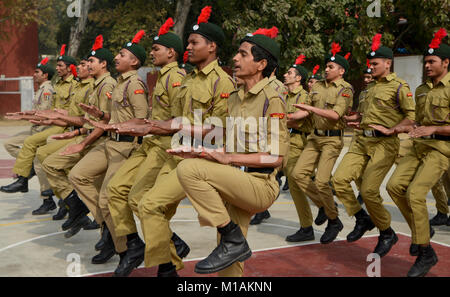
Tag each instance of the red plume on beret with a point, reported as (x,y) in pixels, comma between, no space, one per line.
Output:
(204,15)
(44,61)
(63,50)
(166,27)
(316,68)
(300,60)
(138,36)
(185,56)
(347,56)
(74,70)
(335,48)
(271,33)
(368,63)
(376,42)
(98,44)
(438,36)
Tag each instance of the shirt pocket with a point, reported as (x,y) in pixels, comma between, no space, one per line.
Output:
(330,102)
(159,97)
(384,101)
(440,108)
(201,100)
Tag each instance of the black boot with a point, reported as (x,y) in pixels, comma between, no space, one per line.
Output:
(321,217)
(363,224)
(47,205)
(448,221)
(233,247)
(133,257)
(331,231)
(106,253)
(286,185)
(47,193)
(427,258)
(360,199)
(386,240)
(304,234)
(32,172)
(259,217)
(20,185)
(62,211)
(104,237)
(414,248)
(439,219)
(80,223)
(181,246)
(92,226)
(77,210)
(167,270)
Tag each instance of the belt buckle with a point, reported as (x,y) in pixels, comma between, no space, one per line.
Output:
(321,132)
(428,137)
(368,133)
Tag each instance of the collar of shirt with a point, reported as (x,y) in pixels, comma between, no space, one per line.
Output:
(444,81)
(297,90)
(126,75)
(167,67)
(337,82)
(44,84)
(255,89)
(208,68)
(101,78)
(87,81)
(387,78)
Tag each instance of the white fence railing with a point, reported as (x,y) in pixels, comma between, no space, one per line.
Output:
(26,90)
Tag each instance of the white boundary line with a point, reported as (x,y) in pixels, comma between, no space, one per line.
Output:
(28,240)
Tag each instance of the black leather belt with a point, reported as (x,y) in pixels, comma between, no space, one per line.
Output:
(295,131)
(89,131)
(259,170)
(437,137)
(328,132)
(125,138)
(374,133)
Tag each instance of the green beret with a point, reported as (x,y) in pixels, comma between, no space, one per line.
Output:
(265,42)
(210,31)
(170,40)
(367,70)
(338,59)
(137,50)
(67,59)
(187,66)
(102,54)
(45,68)
(381,52)
(316,76)
(443,51)
(302,70)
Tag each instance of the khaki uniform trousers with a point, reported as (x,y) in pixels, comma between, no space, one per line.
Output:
(369,160)
(440,189)
(415,175)
(298,196)
(13,146)
(102,161)
(27,154)
(220,193)
(324,152)
(133,179)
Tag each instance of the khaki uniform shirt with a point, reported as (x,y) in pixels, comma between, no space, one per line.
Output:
(278,86)
(299,96)
(80,94)
(101,96)
(433,109)
(387,103)
(63,90)
(43,97)
(337,96)
(129,99)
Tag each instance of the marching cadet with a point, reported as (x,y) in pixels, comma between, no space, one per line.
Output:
(330,101)
(224,196)
(42,101)
(388,105)
(61,100)
(138,174)
(80,141)
(427,160)
(203,95)
(299,130)
(314,77)
(128,101)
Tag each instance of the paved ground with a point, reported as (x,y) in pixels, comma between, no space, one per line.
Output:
(35,245)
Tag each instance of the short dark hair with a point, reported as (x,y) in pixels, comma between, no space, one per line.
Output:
(298,73)
(260,54)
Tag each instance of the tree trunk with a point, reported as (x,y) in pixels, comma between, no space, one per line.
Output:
(77,30)
(181,14)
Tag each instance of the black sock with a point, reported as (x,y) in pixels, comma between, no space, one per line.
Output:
(132,236)
(165,267)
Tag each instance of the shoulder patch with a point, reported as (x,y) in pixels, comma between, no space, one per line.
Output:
(409,94)
(224,95)
(176,84)
(109,95)
(345,95)
(139,91)
(47,94)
